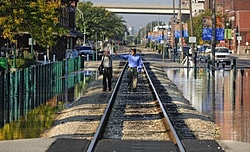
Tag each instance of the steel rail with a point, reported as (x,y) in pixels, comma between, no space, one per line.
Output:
(106,114)
(176,137)
(104,119)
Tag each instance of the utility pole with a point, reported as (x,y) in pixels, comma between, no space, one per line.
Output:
(192,34)
(213,52)
(213,36)
(173,29)
(180,22)
(96,46)
(191,26)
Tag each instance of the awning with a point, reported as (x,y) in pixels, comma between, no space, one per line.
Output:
(75,33)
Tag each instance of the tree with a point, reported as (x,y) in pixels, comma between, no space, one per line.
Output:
(99,22)
(197,23)
(39,18)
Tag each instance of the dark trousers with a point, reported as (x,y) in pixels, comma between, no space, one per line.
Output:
(132,78)
(107,76)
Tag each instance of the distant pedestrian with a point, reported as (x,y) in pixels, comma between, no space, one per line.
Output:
(134,66)
(107,70)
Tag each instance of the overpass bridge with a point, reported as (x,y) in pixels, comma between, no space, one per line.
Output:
(144,9)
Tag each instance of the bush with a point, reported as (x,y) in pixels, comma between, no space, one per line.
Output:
(24,62)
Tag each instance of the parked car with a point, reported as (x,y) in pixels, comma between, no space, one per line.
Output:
(203,48)
(84,50)
(222,55)
(208,49)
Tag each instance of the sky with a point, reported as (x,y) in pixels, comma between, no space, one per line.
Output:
(138,20)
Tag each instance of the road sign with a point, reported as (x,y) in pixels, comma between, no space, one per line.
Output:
(239,38)
(30,42)
(192,39)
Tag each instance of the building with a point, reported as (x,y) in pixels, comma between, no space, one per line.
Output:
(68,21)
(236,14)
(198,6)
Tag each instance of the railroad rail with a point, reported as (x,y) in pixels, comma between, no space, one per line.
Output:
(139,115)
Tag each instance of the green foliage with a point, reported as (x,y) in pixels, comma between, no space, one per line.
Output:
(98,22)
(197,24)
(21,63)
(40,18)
(32,125)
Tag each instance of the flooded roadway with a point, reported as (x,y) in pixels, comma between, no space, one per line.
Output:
(230,106)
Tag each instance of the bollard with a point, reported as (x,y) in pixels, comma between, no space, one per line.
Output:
(233,81)
(242,85)
(54,58)
(82,61)
(87,57)
(45,58)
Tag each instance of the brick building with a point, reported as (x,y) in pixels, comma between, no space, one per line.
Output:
(236,13)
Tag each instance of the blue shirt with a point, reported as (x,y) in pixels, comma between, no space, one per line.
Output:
(133,61)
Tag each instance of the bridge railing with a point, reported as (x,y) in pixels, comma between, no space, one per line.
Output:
(24,90)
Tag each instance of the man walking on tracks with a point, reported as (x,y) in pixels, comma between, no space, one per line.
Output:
(134,66)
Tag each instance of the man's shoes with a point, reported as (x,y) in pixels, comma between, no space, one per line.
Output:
(104,90)
(110,89)
(134,89)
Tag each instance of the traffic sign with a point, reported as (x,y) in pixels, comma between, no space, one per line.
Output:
(192,39)
(239,38)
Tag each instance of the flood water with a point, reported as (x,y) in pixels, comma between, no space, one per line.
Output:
(226,101)
(40,119)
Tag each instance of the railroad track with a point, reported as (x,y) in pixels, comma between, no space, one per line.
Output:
(140,115)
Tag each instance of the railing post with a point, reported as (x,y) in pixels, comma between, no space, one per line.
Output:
(2,88)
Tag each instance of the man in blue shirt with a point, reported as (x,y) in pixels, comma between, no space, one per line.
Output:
(134,66)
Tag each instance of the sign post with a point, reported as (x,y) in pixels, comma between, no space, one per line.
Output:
(239,38)
(32,43)
(163,51)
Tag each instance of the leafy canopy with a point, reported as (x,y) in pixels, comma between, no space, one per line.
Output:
(39,18)
(98,22)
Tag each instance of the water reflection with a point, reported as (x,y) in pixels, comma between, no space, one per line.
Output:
(230,106)
(40,119)
(32,125)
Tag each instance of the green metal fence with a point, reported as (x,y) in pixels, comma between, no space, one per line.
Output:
(26,89)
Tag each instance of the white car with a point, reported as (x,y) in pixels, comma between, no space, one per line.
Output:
(84,50)
(208,49)
(222,54)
